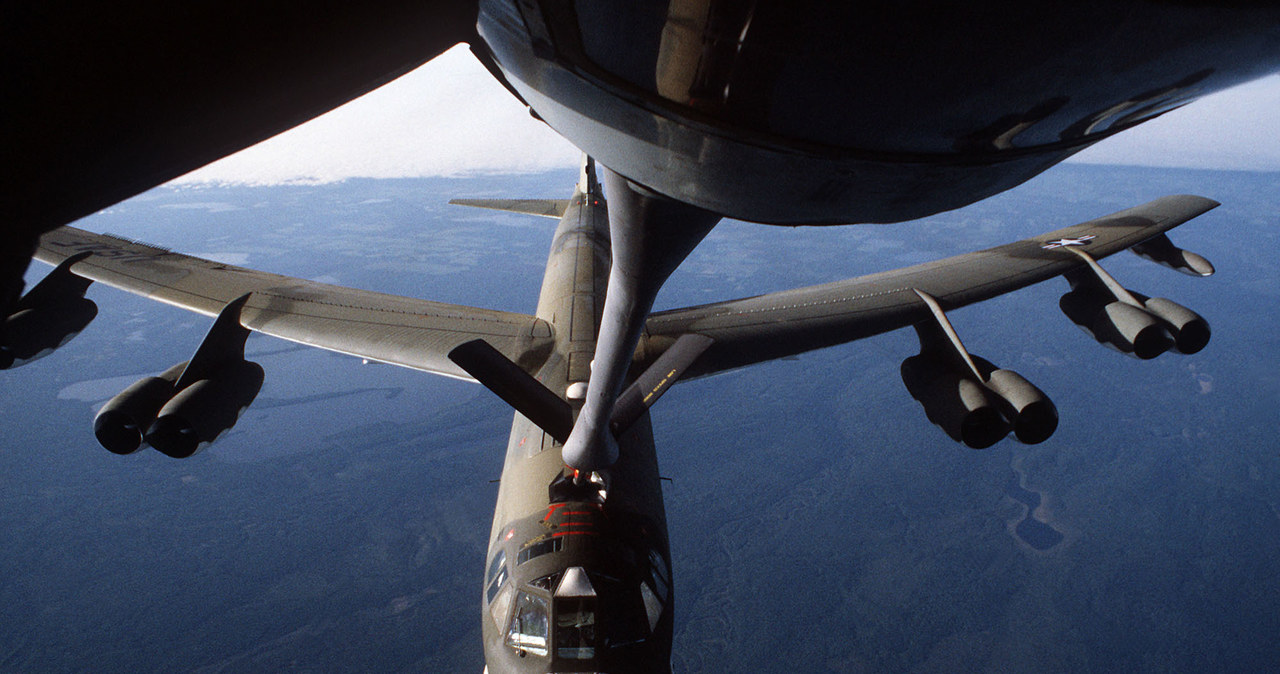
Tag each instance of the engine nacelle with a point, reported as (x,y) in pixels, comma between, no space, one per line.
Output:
(121,423)
(1033,416)
(1122,326)
(32,333)
(1189,330)
(205,410)
(960,405)
(47,317)
(979,412)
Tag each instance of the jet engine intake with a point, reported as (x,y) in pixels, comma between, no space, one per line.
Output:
(202,412)
(972,400)
(121,423)
(1033,416)
(1127,328)
(968,411)
(979,412)
(1190,331)
(192,403)
(1145,331)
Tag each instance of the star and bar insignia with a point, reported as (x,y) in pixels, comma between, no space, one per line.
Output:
(1069,241)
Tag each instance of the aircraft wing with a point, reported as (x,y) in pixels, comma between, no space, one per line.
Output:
(402,331)
(775,325)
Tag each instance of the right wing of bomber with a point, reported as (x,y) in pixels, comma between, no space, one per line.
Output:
(194,402)
(957,389)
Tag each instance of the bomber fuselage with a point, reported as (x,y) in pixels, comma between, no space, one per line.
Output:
(578,574)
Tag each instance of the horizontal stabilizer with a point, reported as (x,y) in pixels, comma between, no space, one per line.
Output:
(516,387)
(547,208)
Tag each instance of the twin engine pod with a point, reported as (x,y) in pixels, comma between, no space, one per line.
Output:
(177,421)
(1129,322)
(32,333)
(47,317)
(972,400)
(978,410)
(191,404)
(1144,328)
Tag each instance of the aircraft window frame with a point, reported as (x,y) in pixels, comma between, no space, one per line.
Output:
(576,633)
(500,607)
(547,582)
(496,576)
(496,584)
(543,547)
(653,606)
(499,559)
(658,574)
(529,629)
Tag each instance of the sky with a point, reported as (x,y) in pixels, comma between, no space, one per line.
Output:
(450,117)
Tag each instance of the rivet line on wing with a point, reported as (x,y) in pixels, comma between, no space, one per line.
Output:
(798,305)
(386,310)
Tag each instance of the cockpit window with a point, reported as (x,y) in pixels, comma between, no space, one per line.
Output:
(539,549)
(498,561)
(496,584)
(658,572)
(528,629)
(576,628)
(547,582)
(497,574)
(654,591)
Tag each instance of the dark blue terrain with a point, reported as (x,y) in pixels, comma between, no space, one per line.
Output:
(818,522)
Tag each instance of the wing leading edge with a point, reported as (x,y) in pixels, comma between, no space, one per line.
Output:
(403,331)
(756,329)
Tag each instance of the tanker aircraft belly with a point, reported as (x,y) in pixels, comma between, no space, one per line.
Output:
(578,569)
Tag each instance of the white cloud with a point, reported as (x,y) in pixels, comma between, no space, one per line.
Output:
(448,117)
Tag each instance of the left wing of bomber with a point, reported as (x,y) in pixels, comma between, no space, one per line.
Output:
(969,397)
(191,404)
(403,331)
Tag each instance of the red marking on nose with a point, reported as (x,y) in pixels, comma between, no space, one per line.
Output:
(575,533)
(551,509)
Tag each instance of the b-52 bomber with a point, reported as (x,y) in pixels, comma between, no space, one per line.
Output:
(578,569)
(794,112)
